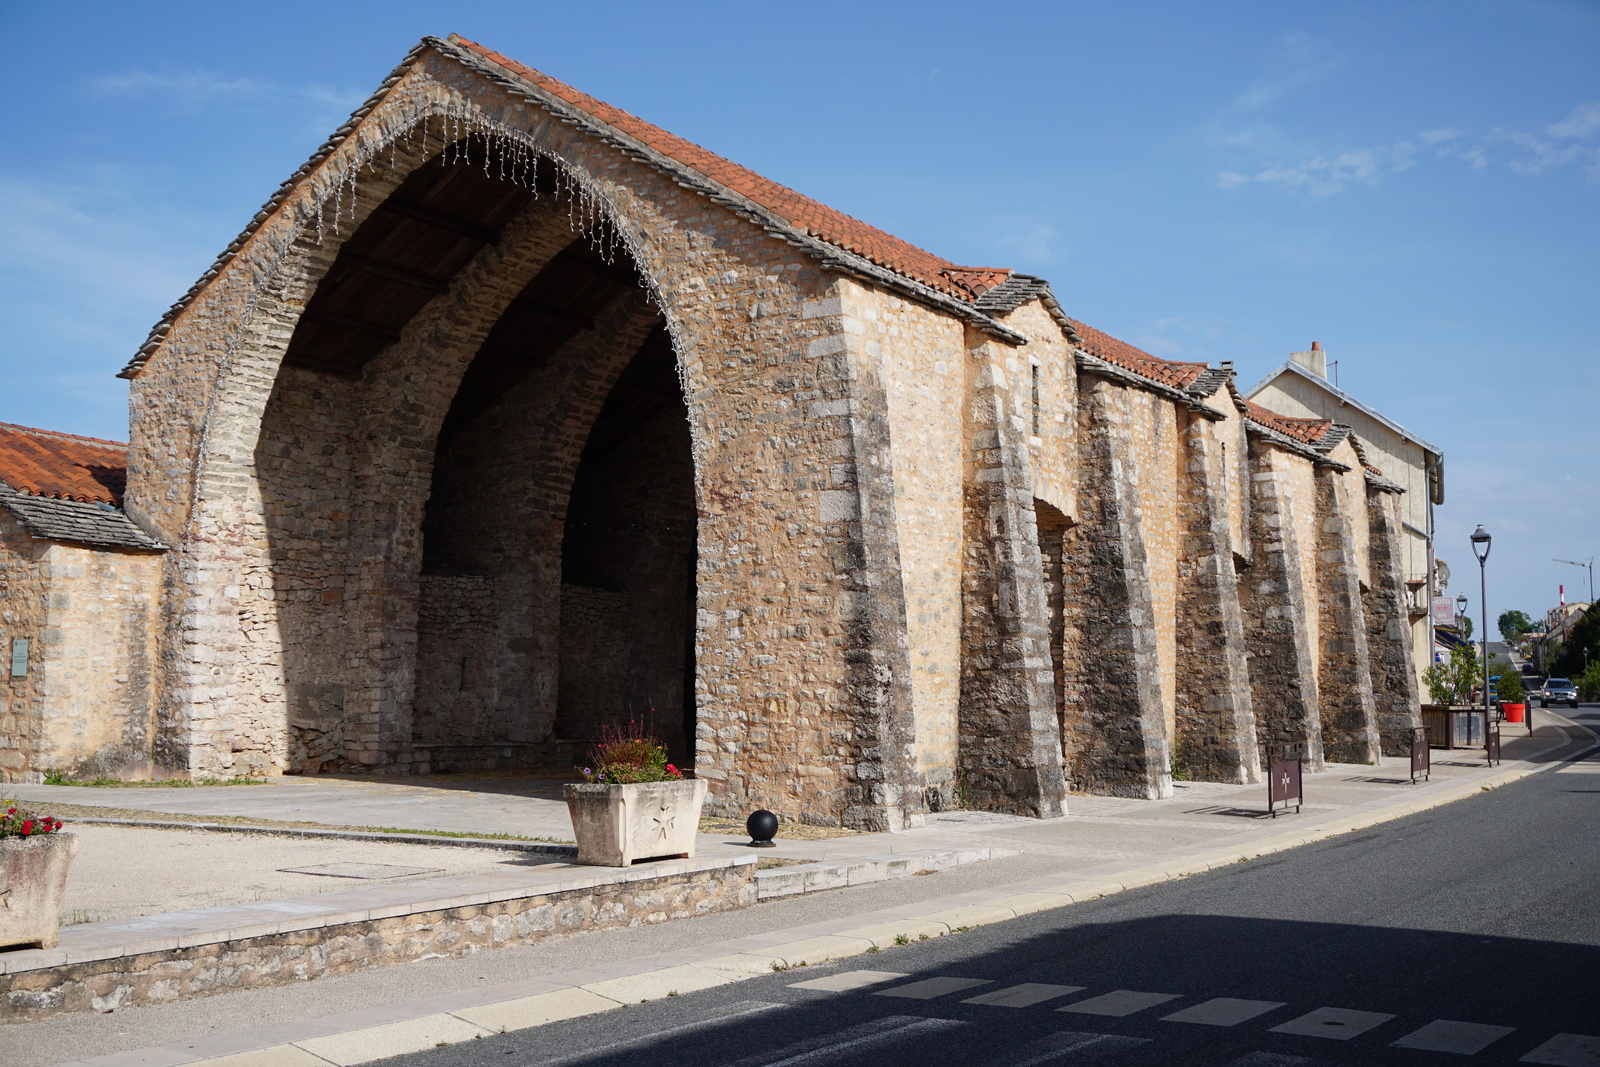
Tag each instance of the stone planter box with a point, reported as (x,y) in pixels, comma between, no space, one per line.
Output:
(621,824)
(33,881)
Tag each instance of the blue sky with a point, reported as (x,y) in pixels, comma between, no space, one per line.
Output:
(1414,185)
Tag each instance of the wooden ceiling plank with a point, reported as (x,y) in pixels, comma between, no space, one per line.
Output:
(439,221)
(386,333)
(399,274)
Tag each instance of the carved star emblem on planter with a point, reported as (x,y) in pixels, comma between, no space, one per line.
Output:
(663,821)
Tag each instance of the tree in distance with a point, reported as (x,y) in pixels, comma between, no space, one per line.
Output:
(1513,624)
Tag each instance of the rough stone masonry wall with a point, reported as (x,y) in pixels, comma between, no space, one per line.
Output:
(1215,738)
(1159,459)
(921,357)
(305,955)
(1010,745)
(85,707)
(1278,639)
(497,509)
(1053,449)
(800,618)
(1113,728)
(1396,695)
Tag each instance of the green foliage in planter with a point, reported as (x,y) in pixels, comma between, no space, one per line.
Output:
(1509,687)
(1452,681)
(625,755)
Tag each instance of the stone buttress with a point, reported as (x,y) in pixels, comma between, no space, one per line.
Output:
(1113,726)
(1344,671)
(1215,720)
(1283,681)
(1010,747)
(1395,691)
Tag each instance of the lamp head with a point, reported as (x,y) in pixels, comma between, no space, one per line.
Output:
(1480,543)
(1461,603)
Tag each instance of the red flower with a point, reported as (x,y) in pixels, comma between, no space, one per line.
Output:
(27,828)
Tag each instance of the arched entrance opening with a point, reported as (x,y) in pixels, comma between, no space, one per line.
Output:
(483,530)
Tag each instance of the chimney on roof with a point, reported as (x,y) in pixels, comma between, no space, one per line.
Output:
(1315,361)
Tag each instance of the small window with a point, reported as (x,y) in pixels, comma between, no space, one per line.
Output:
(1035,369)
(19,657)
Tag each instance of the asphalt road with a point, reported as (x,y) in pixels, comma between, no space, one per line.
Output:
(1468,930)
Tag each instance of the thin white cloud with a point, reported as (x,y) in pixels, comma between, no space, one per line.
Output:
(1321,174)
(1299,62)
(197,90)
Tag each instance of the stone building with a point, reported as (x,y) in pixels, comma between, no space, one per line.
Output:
(512,414)
(1301,387)
(79,591)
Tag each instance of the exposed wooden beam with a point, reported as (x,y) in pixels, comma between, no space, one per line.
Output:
(439,221)
(398,274)
(342,370)
(332,319)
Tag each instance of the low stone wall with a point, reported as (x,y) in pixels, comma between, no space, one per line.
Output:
(183,972)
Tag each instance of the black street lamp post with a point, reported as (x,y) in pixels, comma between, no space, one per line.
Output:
(1480,548)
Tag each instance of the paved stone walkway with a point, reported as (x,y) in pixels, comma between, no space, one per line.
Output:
(1096,832)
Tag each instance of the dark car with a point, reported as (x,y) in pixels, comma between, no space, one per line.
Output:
(1558,691)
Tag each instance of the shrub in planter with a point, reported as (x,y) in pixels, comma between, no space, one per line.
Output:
(633,804)
(34,858)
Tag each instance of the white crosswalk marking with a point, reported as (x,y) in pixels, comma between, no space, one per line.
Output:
(1223,1011)
(1444,1035)
(1567,1050)
(929,988)
(1070,1045)
(1025,995)
(830,1048)
(1340,1024)
(1120,1002)
(845,981)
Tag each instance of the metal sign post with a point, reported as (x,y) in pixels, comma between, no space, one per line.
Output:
(1283,779)
(1421,754)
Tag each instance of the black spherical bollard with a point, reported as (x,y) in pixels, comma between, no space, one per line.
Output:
(762,826)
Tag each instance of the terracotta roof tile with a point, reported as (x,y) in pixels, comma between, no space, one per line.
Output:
(1124,355)
(1306,431)
(801,212)
(61,465)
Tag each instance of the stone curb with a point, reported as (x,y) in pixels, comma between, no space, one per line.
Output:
(552,847)
(780,882)
(418,1034)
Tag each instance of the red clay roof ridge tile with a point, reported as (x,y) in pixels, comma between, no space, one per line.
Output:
(1165,371)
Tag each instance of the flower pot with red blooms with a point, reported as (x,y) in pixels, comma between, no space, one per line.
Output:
(34,858)
(633,805)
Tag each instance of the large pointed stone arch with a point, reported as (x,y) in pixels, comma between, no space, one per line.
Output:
(800,679)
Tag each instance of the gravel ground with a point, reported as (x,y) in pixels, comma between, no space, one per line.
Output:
(122,872)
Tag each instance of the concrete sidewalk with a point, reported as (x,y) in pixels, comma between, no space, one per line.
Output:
(1106,846)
